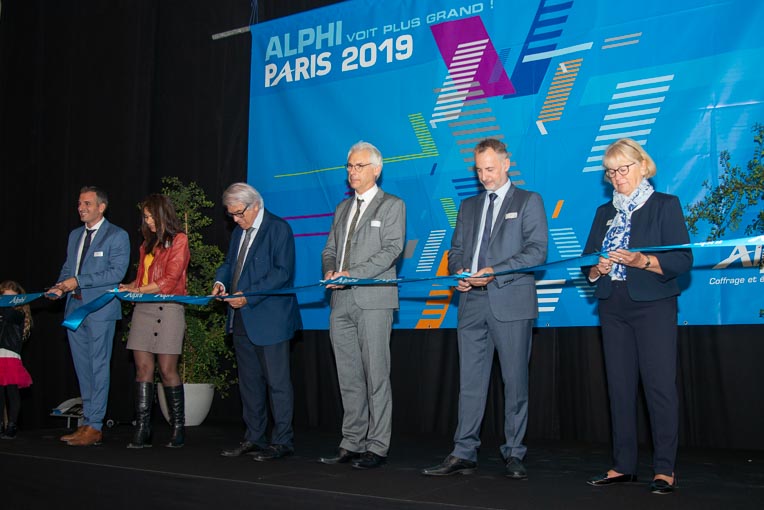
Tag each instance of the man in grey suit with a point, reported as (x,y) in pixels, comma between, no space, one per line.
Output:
(365,241)
(501,229)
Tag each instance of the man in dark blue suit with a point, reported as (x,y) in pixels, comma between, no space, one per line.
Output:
(96,261)
(260,258)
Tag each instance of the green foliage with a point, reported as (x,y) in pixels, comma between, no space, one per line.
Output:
(205,344)
(738,191)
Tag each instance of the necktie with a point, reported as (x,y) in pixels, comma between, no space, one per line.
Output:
(351,231)
(482,254)
(240,259)
(85,246)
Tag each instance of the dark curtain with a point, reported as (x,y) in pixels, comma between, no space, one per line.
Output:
(719,380)
(121,93)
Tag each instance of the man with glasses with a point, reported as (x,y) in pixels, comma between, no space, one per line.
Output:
(96,261)
(260,258)
(365,241)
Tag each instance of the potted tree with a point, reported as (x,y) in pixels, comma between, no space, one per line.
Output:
(204,347)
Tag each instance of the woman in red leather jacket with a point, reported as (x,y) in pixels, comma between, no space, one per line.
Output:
(158,328)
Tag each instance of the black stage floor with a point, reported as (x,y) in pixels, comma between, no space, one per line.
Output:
(39,471)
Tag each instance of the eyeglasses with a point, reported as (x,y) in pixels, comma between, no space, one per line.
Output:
(357,167)
(623,170)
(239,214)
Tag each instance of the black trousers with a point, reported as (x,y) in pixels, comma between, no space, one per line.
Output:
(639,340)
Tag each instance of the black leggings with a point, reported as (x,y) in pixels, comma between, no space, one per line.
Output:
(14,402)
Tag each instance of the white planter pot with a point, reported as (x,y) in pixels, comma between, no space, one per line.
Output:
(198,399)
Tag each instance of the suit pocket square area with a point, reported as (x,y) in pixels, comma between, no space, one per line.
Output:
(510,216)
(376,223)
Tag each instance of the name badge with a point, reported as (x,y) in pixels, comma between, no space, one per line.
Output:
(98,254)
(376,223)
(510,216)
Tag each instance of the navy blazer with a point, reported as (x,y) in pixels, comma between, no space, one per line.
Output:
(269,265)
(659,222)
(103,267)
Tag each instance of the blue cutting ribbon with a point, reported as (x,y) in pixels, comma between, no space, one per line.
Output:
(7,300)
(137,297)
(581,260)
(74,319)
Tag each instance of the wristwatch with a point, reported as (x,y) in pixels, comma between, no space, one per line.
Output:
(647,264)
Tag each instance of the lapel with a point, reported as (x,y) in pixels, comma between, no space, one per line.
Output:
(100,236)
(74,243)
(500,221)
(370,212)
(342,220)
(95,243)
(259,239)
(477,216)
(233,250)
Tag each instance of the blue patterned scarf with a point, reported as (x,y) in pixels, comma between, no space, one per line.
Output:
(619,233)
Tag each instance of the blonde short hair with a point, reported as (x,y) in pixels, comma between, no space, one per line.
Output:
(630,150)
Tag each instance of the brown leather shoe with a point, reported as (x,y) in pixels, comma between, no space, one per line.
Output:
(88,437)
(69,437)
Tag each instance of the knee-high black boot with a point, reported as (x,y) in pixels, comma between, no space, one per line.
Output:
(177,406)
(144,397)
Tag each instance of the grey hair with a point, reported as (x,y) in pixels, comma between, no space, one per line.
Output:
(242,193)
(498,147)
(101,196)
(375,156)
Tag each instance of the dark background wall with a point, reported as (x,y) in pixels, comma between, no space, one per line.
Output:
(122,93)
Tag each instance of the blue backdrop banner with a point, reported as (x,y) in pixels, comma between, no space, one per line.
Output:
(557,81)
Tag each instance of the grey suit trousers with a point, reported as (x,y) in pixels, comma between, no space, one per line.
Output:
(479,334)
(361,343)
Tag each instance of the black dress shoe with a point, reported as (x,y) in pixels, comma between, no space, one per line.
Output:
(450,466)
(245,448)
(273,452)
(343,456)
(661,486)
(515,469)
(369,460)
(603,479)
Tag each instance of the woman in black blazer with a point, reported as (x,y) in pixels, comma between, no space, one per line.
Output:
(637,294)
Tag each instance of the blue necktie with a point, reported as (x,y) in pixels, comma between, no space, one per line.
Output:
(483,253)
